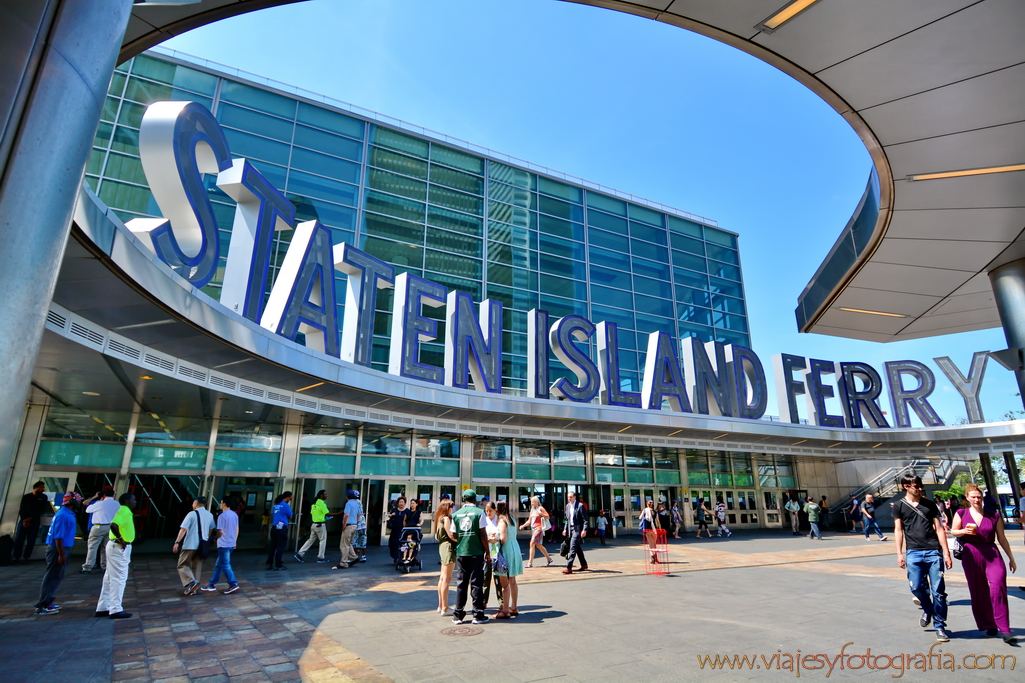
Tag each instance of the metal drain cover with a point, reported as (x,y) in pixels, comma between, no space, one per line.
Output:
(462,631)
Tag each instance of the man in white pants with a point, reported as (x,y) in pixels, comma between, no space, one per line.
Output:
(103,511)
(119,555)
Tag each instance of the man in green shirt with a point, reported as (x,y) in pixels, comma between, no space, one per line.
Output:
(812,509)
(318,530)
(119,556)
(471,554)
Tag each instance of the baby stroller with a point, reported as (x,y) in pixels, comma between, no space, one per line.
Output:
(409,546)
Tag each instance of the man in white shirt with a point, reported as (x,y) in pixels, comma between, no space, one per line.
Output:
(103,511)
(794,508)
(198,525)
(350,518)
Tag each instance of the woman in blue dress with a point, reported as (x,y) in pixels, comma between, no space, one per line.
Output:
(508,563)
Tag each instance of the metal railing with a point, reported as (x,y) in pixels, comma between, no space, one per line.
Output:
(887,483)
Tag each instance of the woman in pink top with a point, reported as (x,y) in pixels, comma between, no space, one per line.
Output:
(536,522)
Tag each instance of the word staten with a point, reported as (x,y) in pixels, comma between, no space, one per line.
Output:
(920,661)
(180,142)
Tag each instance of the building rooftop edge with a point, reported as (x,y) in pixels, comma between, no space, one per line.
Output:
(374,117)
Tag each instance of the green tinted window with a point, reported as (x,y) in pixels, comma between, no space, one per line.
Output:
(561,266)
(612,297)
(255,98)
(606,222)
(394,206)
(457,159)
(688,244)
(511,234)
(605,203)
(610,259)
(396,184)
(117,84)
(610,278)
(686,277)
(452,264)
(330,120)
(608,240)
(399,163)
(148,92)
(648,233)
(650,269)
(451,241)
(561,209)
(644,215)
(456,200)
(727,305)
(725,287)
(331,215)
(473,288)
(647,304)
(96,157)
(327,143)
(512,298)
(396,253)
(511,256)
(321,188)
(512,277)
(255,147)
(393,228)
(560,190)
(723,254)
(125,140)
(683,227)
(621,318)
(696,297)
(255,122)
(561,228)
(128,198)
(649,251)
(131,114)
(693,314)
(647,285)
(103,135)
(561,247)
(689,261)
(457,179)
(398,141)
(561,286)
(511,195)
(110,106)
(172,74)
(325,165)
(460,222)
(506,213)
(512,176)
(723,270)
(721,238)
(125,168)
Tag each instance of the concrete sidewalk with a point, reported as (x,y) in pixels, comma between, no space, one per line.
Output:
(758,593)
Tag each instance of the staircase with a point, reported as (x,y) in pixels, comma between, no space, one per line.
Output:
(886,484)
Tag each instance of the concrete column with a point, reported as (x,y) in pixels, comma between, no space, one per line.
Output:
(28,446)
(56,60)
(987,474)
(1008,282)
(1013,477)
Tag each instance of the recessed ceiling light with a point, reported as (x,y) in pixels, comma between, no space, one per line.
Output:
(861,310)
(785,14)
(625,428)
(309,387)
(145,377)
(90,393)
(249,412)
(967,172)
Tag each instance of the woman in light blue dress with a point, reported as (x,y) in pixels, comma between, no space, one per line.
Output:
(511,563)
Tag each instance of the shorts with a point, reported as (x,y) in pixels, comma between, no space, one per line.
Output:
(701,522)
(447,551)
(601,533)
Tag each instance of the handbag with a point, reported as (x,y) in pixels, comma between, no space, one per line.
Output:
(204,543)
(564,548)
(546,524)
(501,564)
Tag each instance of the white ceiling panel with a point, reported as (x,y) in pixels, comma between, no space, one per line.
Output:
(879,324)
(910,279)
(853,333)
(960,304)
(979,283)
(983,225)
(983,318)
(989,100)
(983,148)
(886,301)
(831,31)
(1004,190)
(966,256)
(736,17)
(958,328)
(981,38)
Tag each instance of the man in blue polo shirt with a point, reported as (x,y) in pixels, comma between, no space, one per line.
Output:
(59,541)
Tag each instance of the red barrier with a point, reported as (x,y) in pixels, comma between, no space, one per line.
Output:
(656,552)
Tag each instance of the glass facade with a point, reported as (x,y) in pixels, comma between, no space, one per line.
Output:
(463,220)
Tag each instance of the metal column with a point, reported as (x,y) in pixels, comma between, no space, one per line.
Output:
(58,57)
(1014,478)
(1008,282)
(987,474)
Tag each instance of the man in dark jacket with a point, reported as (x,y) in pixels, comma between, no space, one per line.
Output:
(34,505)
(576,530)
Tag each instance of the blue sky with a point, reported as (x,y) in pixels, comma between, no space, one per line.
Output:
(627,102)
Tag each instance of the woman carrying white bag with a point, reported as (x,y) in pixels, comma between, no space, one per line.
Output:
(539,522)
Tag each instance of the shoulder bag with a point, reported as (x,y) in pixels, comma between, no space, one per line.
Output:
(957,548)
(204,543)
(546,523)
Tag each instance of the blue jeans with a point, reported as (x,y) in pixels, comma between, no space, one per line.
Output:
(870,524)
(814,530)
(925,577)
(223,565)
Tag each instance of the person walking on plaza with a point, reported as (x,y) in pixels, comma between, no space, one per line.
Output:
(823,514)
(471,554)
(196,530)
(648,523)
(318,529)
(576,530)
(443,533)
(855,514)
(812,509)
(59,541)
(794,508)
(119,557)
(103,511)
(677,519)
(701,516)
(868,511)
(539,522)
(720,518)
(508,563)
(980,532)
(34,505)
(359,539)
(227,538)
(281,512)
(916,524)
(350,518)
(601,526)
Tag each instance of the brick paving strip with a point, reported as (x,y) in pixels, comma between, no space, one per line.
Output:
(253,636)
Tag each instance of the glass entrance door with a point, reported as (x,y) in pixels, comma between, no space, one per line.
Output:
(395,490)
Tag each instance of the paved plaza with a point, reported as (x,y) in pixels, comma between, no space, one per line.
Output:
(779,600)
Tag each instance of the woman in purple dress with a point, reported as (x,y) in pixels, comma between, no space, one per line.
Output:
(979,531)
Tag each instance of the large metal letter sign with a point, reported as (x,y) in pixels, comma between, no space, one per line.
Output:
(261,212)
(901,398)
(469,350)
(563,332)
(819,391)
(860,404)
(303,297)
(707,380)
(366,275)
(612,393)
(537,353)
(970,386)
(788,388)
(409,327)
(662,376)
(178,143)
(750,388)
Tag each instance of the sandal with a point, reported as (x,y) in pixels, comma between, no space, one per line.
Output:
(550,560)
(514,612)
(502,614)
(529,565)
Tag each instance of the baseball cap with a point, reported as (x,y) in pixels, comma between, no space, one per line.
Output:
(469,494)
(445,496)
(68,497)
